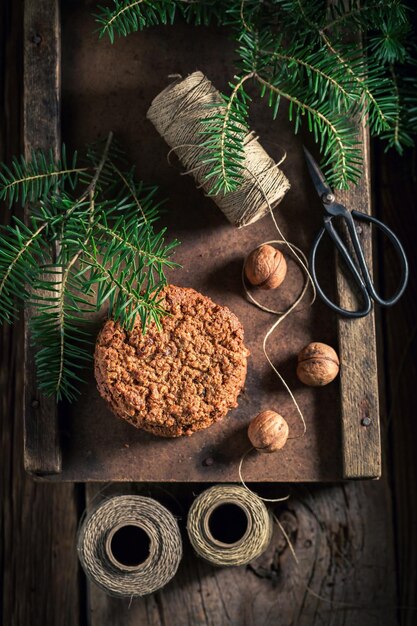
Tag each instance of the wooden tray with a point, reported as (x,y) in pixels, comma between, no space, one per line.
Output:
(105,87)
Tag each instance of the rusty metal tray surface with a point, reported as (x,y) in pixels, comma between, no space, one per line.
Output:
(94,87)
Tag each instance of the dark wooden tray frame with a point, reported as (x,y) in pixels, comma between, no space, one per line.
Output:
(357,343)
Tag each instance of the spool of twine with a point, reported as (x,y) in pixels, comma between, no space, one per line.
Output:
(229,525)
(130,546)
(177,114)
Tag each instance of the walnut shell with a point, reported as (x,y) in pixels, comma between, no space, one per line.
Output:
(318,364)
(265,267)
(268,431)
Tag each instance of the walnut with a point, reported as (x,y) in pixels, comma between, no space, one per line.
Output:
(318,364)
(265,267)
(268,431)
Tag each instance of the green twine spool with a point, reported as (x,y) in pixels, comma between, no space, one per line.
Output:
(228,525)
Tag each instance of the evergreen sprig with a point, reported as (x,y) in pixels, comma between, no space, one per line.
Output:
(226,130)
(295,51)
(128,16)
(25,181)
(91,242)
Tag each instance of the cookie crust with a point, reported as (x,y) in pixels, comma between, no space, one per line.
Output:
(180,379)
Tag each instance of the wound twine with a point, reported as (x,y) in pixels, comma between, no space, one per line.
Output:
(130,546)
(177,114)
(229,525)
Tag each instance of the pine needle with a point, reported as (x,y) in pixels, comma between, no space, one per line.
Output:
(90,242)
(294,48)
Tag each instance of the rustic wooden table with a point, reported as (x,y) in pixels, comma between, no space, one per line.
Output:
(354,541)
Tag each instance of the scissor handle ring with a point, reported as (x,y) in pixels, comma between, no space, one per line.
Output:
(364,217)
(345,312)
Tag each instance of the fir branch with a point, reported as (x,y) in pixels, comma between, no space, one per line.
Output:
(388,44)
(60,357)
(127,180)
(319,79)
(409,94)
(55,377)
(120,10)
(364,15)
(21,253)
(379,118)
(61,304)
(227,130)
(396,126)
(398,136)
(137,246)
(354,12)
(91,188)
(342,154)
(326,82)
(298,64)
(31,180)
(81,249)
(98,170)
(202,12)
(304,18)
(377,100)
(303,11)
(155,259)
(243,19)
(129,16)
(246,15)
(127,300)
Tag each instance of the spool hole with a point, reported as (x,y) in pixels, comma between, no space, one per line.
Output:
(130,546)
(228,523)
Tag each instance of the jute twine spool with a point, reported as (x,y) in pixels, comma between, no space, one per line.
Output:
(130,546)
(229,525)
(177,114)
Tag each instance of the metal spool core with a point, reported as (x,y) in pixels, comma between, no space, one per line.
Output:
(227,524)
(128,546)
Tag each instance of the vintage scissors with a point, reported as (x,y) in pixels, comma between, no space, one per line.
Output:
(358,268)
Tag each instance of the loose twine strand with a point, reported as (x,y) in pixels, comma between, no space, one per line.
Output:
(253,544)
(165,551)
(309,590)
(283,314)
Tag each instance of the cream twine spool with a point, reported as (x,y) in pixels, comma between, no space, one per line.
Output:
(228,541)
(176,114)
(130,546)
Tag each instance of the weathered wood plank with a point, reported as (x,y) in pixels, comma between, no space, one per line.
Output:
(358,354)
(38,566)
(337,533)
(41,129)
(396,200)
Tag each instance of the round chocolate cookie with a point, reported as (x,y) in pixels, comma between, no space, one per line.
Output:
(179,379)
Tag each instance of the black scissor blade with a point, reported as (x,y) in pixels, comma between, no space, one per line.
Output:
(316,174)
